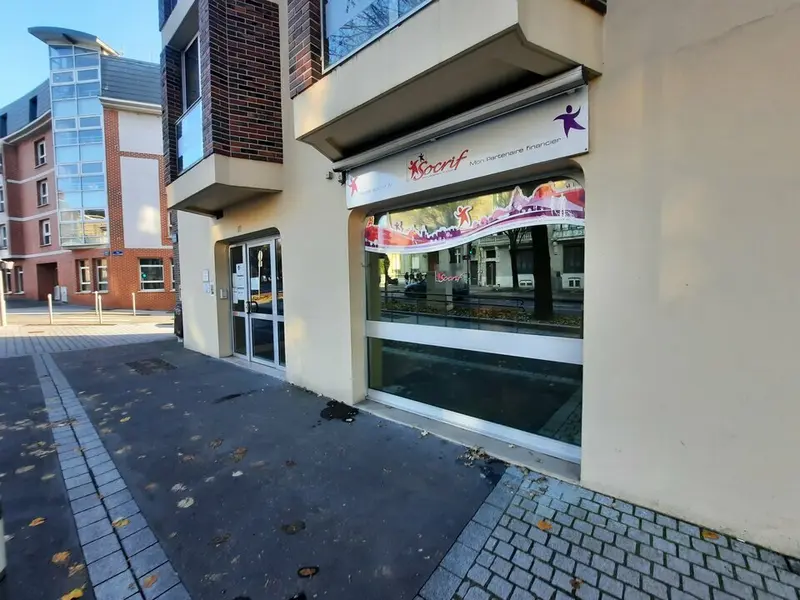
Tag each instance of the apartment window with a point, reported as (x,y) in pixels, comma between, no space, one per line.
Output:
(573,258)
(41,153)
(2,201)
(101,274)
(151,274)
(84,276)
(44,232)
(41,188)
(172,274)
(349,26)
(20,280)
(33,108)
(7,275)
(3,237)
(3,125)
(191,74)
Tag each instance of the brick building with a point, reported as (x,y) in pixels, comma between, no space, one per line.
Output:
(82,197)
(385,201)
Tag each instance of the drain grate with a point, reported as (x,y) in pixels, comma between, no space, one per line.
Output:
(150,366)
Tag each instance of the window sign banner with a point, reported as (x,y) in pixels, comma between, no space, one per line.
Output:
(449,224)
(551,129)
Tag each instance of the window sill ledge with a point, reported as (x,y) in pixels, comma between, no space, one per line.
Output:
(151,291)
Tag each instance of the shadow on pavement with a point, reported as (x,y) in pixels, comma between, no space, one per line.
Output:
(267,486)
(32,487)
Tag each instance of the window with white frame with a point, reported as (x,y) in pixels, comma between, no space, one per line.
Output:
(3,237)
(84,276)
(101,274)
(151,274)
(41,152)
(41,191)
(7,275)
(20,280)
(191,74)
(44,232)
(2,201)
(172,273)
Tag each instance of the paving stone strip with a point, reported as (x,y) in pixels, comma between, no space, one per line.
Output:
(125,562)
(539,537)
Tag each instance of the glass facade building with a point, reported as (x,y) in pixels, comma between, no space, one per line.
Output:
(75,85)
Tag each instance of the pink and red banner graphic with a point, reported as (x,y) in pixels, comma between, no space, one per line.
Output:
(442,226)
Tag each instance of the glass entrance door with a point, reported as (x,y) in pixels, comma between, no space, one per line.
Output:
(257,301)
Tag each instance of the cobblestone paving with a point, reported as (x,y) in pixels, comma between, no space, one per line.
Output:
(538,537)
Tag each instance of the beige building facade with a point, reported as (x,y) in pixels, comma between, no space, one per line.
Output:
(665,372)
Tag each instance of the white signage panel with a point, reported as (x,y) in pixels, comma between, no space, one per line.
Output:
(551,129)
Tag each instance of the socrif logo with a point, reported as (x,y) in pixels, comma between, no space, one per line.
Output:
(420,167)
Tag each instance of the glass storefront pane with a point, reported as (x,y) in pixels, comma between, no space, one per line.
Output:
(281,344)
(238,282)
(279,274)
(499,262)
(536,396)
(262,340)
(239,335)
(260,278)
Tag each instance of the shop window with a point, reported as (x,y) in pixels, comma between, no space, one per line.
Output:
(84,276)
(151,274)
(469,312)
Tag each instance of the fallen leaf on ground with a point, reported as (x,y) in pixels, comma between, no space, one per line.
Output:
(186,503)
(292,528)
(149,581)
(187,458)
(220,539)
(124,419)
(75,569)
(216,443)
(106,430)
(121,523)
(238,454)
(168,406)
(258,463)
(122,450)
(576,584)
(36,522)
(195,438)
(290,463)
(25,469)
(709,535)
(151,487)
(178,487)
(544,525)
(423,433)
(209,479)
(213,577)
(173,534)
(237,473)
(76,593)
(59,558)
(47,477)
(8,537)
(307,571)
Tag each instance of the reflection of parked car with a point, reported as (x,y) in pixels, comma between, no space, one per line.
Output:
(420,289)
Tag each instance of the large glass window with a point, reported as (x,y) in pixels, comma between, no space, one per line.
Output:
(350,24)
(151,274)
(473,306)
(79,149)
(191,74)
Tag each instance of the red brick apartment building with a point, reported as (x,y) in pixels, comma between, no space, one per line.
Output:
(82,197)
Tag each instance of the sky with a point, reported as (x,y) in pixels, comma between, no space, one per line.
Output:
(128,26)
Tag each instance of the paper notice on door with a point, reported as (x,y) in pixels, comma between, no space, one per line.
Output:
(239,282)
(240,269)
(255,284)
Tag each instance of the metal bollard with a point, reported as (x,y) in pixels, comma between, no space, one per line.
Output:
(133,298)
(96,296)
(50,307)
(100,308)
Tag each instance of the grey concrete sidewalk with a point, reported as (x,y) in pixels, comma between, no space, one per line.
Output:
(538,537)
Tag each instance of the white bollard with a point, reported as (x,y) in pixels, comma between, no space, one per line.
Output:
(100,308)
(50,307)
(3,316)
(133,298)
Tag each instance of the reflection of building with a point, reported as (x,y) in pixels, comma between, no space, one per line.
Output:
(676,383)
(82,204)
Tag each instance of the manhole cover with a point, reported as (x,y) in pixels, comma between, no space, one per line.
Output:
(149,366)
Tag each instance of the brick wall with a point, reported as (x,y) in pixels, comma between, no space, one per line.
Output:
(305,44)
(171,109)
(241,79)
